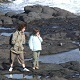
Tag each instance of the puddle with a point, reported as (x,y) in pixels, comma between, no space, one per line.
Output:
(74,42)
(55,27)
(5,34)
(3,28)
(75,75)
(8,31)
(23,76)
(73,55)
(8,34)
(28,59)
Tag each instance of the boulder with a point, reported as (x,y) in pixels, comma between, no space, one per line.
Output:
(30,17)
(45,16)
(48,10)
(6,20)
(64,13)
(36,12)
(34,15)
(11,14)
(27,19)
(35,8)
(16,21)
(20,16)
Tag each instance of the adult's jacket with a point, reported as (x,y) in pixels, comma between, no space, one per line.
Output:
(18,40)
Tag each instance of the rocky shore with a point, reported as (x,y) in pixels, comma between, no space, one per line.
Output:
(36,12)
(57,27)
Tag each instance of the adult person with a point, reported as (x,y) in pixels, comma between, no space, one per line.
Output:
(18,40)
(35,45)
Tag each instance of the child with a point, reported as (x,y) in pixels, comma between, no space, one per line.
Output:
(35,45)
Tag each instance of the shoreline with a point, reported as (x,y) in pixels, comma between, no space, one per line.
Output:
(63,71)
(68,30)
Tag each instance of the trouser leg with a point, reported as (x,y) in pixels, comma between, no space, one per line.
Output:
(37,62)
(13,55)
(36,59)
(20,58)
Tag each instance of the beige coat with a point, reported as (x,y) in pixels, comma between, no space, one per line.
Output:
(18,40)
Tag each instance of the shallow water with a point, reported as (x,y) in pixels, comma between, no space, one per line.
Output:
(27,77)
(9,31)
(5,34)
(8,34)
(6,28)
(22,76)
(73,55)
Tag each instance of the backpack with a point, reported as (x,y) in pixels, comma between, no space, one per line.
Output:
(10,40)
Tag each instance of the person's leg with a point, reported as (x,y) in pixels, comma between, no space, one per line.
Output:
(21,61)
(13,55)
(12,60)
(37,64)
(34,59)
(20,58)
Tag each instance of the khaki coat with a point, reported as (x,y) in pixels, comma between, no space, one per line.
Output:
(18,40)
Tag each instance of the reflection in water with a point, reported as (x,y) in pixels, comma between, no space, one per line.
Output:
(11,76)
(29,77)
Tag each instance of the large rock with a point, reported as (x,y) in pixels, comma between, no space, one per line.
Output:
(11,14)
(34,15)
(64,13)
(30,17)
(27,19)
(34,8)
(48,10)
(6,20)
(20,16)
(35,12)
(45,16)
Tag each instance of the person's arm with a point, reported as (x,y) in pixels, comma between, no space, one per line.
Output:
(31,43)
(40,38)
(15,35)
(24,39)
